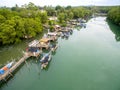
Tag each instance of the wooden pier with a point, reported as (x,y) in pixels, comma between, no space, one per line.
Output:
(34,54)
(13,68)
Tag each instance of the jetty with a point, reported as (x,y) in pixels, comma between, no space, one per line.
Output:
(8,73)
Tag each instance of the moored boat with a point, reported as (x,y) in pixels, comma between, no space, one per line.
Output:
(6,67)
(54,47)
(45,60)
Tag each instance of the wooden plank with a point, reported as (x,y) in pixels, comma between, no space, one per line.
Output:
(14,67)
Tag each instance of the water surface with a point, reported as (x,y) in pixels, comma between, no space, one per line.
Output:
(88,60)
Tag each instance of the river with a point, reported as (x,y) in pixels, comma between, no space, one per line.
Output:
(88,60)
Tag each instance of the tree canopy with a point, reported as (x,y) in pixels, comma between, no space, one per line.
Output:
(114,15)
(19,23)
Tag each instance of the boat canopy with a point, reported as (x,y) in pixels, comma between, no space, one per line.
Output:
(33,43)
(45,59)
(2,71)
(9,65)
(52,33)
(33,49)
(57,26)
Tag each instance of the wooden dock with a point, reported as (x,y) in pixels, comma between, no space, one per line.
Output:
(13,68)
(34,54)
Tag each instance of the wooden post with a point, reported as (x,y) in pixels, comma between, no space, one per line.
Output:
(26,63)
(10,73)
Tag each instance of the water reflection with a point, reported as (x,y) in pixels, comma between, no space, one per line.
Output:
(115,29)
(53,53)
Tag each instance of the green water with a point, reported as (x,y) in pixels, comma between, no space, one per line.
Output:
(14,52)
(88,60)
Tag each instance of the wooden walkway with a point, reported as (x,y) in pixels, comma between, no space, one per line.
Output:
(14,67)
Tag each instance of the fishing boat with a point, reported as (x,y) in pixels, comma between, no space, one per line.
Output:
(70,30)
(52,34)
(66,34)
(45,60)
(6,67)
(54,47)
(62,34)
(83,25)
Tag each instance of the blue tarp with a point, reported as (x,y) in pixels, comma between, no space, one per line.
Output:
(2,71)
(33,49)
(46,57)
(9,65)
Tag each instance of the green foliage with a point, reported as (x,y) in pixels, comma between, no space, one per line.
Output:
(70,15)
(61,17)
(81,12)
(114,15)
(51,22)
(51,28)
(19,23)
(68,7)
(64,24)
(58,7)
(2,19)
(102,9)
(32,6)
(50,11)
(7,33)
(32,27)
(44,17)
(6,13)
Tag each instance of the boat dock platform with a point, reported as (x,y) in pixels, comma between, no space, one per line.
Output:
(13,68)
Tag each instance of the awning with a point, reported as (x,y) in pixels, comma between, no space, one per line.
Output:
(44,40)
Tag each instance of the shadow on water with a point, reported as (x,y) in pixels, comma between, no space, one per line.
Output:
(115,29)
(53,53)
(46,69)
(78,27)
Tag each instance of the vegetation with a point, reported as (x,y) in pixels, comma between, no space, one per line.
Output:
(18,23)
(114,15)
(66,13)
(112,12)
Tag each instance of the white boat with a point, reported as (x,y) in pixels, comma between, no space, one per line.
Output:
(52,33)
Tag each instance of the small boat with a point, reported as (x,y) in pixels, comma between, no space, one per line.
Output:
(83,25)
(54,47)
(6,67)
(71,31)
(62,34)
(66,34)
(9,65)
(52,33)
(45,60)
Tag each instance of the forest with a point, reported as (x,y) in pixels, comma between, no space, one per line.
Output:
(114,15)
